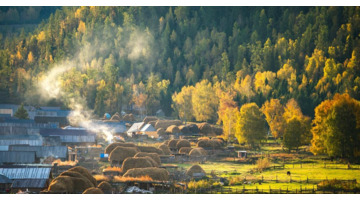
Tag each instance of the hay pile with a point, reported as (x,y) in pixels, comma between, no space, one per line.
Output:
(93,190)
(194,169)
(172,143)
(206,143)
(193,128)
(189,129)
(182,143)
(154,156)
(160,131)
(184,129)
(131,163)
(197,152)
(147,119)
(112,146)
(185,150)
(150,149)
(166,123)
(119,154)
(105,187)
(173,129)
(217,130)
(152,123)
(116,117)
(165,149)
(74,180)
(158,174)
(205,128)
(129,117)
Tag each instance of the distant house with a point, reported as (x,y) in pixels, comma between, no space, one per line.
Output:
(43,152)
(32,140)
(5,184)
(17,157)
(149,130)
(69,136)
(33,179)
(135,128)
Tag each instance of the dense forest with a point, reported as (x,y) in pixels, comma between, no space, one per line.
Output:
(155,57)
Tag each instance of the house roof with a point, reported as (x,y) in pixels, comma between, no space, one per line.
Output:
(135,127)
(26,173)
(62,132)
(32,140)
(17,157)
(43,151)
(29,183)
(147,127)
(4,179)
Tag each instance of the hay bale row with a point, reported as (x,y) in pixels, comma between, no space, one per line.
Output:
(166,123)
(157,174)
(172,143)
(105,187)
(74,180)
(185,150)
(93,190)
(189,129)
(217,130)
(112,146)
(206,143)
(150,149)
(119,154)
(160,131)
(129,117)
(194,169)
(131,163)
(182,143)
(165,149)
(205,128)
(154,156)
(147,119)
(173,129)
(196,152)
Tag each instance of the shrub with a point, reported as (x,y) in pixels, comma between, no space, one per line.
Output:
(262,163)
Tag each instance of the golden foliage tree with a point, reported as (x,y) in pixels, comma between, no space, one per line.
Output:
(182,102)
(81,27)
(273,111)
(204,101)
(251,125)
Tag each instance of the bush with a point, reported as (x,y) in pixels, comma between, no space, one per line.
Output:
(237,180)
(196,185)
(262,163)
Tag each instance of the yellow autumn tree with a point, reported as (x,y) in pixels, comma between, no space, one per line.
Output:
(30,57)
(182,103)
(273,111)
(204,101)
(263,82)
(244,87)
(81,28)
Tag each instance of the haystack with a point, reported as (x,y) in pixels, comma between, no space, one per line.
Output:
(194,169)
(105,187)
(152,123)
(160,131)
(112,146)
(154,156)
(119,154)
(84,172)
(206,143)
(93,190)
(197,152)
(129,117)
(116,117)
(61,184)
(184,129)
(156,174)
(147,119)
(165,149)
(173,129)
(205,128)
(150,149)
(172,143)
(185,150)
(193,128)
(131,163)
(182,143)
(166,123)
(217,130)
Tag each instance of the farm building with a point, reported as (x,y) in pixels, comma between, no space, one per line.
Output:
(5,184)
(32,140)
(70,136)
(88,152)
(33,179)
(135,128)
(43,152)
(17,157)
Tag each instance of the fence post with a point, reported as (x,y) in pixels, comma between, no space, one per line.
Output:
(269,189)
(262,178)
(307,179)
(287,189)
(276,178)
(243,191)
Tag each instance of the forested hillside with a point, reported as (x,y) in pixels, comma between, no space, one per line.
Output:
(192,62)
